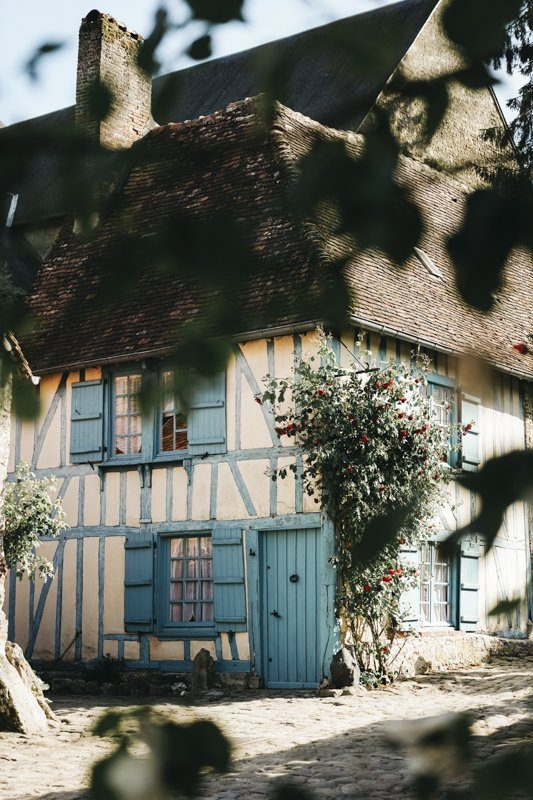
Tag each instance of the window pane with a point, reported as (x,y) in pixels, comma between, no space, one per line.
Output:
(121,384)
(121,426)
(207,612)
(192,546)
(167,433)
(176,548)
(206,568)
(191,569)
(181,440)
(134,404)
(176,591)
(121,405)
(176,613)
(207,590)
(135,444)
(134,384)
(121,446)
(176,570)
(135,425)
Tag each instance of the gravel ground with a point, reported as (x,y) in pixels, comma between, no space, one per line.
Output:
(334,746)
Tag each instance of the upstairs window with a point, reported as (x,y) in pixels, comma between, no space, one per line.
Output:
(443,410)
(127,418)
(173,420)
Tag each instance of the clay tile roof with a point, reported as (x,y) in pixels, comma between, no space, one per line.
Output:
(228,164)
(326,84)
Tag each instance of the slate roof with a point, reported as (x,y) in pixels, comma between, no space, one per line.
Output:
(226,163)
(326,85)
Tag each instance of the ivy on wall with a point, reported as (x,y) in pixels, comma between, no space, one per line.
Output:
(371,447)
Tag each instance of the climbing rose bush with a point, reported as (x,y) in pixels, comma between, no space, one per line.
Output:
(371,446)
(30,513)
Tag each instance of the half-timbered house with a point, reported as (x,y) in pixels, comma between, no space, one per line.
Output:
(178,538)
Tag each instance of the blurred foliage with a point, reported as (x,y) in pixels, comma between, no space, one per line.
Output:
(371,206)
(154,758)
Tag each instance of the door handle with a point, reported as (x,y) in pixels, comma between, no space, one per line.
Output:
(275,614)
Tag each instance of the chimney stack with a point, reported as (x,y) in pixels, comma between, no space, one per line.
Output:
(107,56)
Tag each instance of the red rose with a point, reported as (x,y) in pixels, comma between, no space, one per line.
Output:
(467,428)
(392,571)
(364,439)
(350,469)
(366,587)
(437,476)
(410,416)
(289,426)
(386,579)
(403,399)
(378,384)
(386,649)
(400,416)
(258,400)
(316,500)
(381,488)
(401,541)
(520,347)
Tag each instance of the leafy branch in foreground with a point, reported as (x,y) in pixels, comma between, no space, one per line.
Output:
(173,762)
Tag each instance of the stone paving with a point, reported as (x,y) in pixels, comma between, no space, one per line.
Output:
(335,747)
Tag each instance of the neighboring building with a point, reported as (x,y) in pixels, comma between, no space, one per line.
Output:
(179,539)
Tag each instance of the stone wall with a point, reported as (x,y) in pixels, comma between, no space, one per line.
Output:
(420,653)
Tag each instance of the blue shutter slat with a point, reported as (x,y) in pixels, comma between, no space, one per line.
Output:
(469,584)
(139,583)
(471,451)
(87,422)
(410,599)
(228,580)
(207,416)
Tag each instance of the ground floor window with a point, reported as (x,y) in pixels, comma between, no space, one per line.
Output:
(190,599)
(435,583)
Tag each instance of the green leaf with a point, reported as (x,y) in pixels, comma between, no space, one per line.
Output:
(479,27)
(99,100)
(501,482)
(492,226)
(380,531)
(34,62)
(216,11)
(201,48)
(107,724)
(146,58)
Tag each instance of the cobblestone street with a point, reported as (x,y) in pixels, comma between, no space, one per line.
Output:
(333,746)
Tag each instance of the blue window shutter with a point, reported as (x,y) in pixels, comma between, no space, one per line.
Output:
(228,580)
(139,583)
(207,416)
(410,599)
(471,449)
(87,422)
(469,583)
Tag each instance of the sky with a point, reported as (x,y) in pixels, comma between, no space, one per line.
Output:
(26,24)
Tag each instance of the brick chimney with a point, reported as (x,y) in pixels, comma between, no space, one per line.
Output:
(107,54)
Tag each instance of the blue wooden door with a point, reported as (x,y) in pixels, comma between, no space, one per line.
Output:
(290,608)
